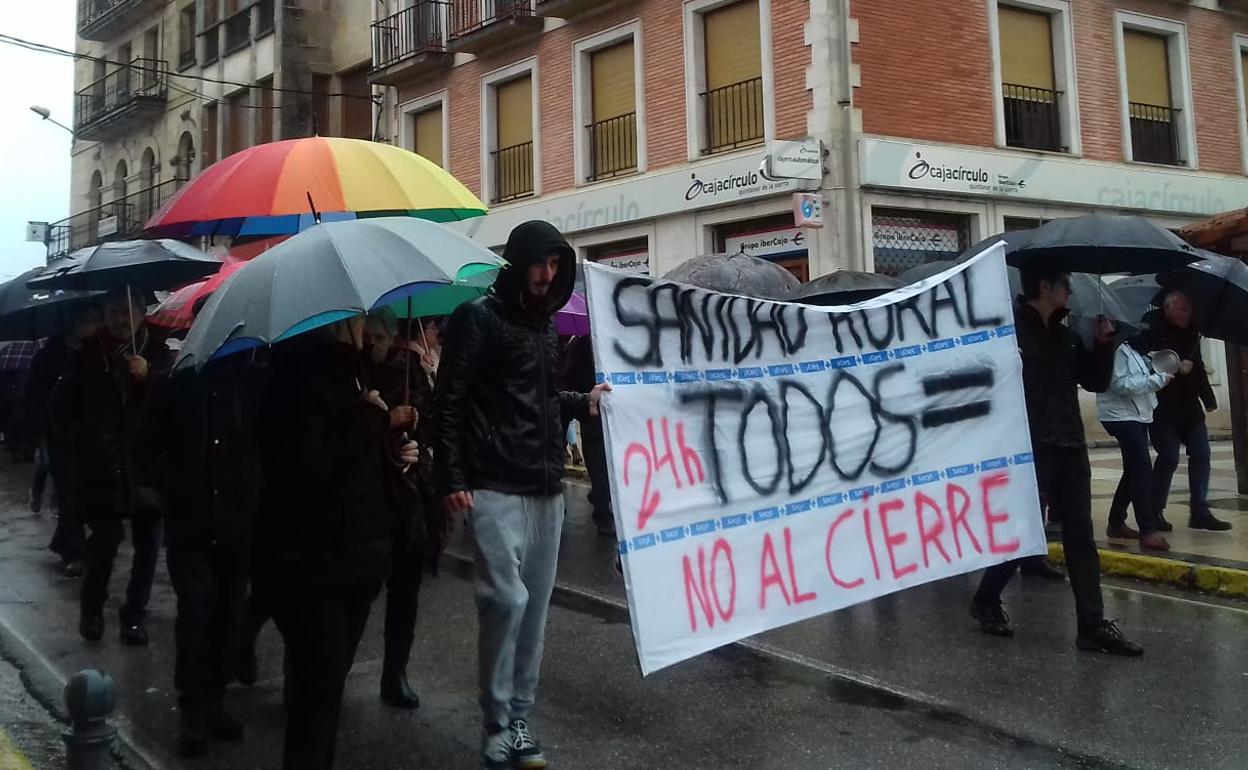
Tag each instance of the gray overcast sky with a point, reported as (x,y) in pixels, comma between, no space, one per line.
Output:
(34,155)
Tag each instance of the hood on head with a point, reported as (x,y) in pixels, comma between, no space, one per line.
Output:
(528,243)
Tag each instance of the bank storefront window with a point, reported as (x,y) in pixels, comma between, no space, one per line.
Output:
(905,238)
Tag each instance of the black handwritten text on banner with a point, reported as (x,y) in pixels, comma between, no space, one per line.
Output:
(771,461)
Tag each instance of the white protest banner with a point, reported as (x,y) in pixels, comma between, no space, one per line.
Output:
(772,461)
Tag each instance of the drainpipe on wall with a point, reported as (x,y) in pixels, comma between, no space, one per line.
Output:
(852,194)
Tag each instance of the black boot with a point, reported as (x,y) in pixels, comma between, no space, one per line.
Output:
(193,737)
(91,625)
(248,669)
(395,691)
(132,633)
(222,726)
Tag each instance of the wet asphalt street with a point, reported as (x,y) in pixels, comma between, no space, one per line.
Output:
(901,682)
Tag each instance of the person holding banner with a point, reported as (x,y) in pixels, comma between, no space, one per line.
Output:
(1055,364)
(499,454)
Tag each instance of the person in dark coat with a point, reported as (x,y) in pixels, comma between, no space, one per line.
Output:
(499,457)
(579,376)
(197,443)
(1180,414)
(94,411)
(69,539)
(324,523)
(402,384)
(1055,364)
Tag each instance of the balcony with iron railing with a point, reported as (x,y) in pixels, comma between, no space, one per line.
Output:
(411,43)
(477,26)
(513,172)
(733,116)
(1155,134)
(612,147)
(1033,117)
(116,220)
(567,9)
(103,20)
(120,99)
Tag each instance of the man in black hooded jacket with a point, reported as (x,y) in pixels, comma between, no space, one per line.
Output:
(499,455)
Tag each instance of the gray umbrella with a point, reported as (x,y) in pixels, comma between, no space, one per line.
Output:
(325,274)
(844,287)
(1136,292)
(926,270)
(736,274)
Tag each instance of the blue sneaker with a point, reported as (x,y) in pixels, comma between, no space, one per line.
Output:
(496,750)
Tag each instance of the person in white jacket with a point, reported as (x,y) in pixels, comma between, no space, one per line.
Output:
(1126,410)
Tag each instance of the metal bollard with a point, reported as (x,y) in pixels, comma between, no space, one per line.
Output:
(90,698)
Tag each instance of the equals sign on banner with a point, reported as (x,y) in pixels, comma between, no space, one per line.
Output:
(976,378)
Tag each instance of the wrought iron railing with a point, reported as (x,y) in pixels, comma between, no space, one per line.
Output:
(1033,117)
(120,218)
(1155,134)
(92,11)
(410,32)
(471,15)
(141,79)
(513,172)
(613,147)
(238,31)
(734,116)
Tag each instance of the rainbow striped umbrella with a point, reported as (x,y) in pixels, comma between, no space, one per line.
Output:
(281,188)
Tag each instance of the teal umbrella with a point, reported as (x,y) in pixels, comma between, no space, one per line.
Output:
(328,273)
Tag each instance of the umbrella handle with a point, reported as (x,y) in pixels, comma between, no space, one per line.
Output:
(134,347)
(407,356)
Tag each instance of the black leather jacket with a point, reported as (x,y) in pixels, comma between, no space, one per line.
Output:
(1055,363)
(1183,401)
(500,416)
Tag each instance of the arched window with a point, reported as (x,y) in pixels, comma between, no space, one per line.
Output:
(83,236)
(150,177)
(185,161)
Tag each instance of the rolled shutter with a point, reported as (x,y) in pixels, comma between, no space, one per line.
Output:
(1026,48)
(514,112)
(428,130)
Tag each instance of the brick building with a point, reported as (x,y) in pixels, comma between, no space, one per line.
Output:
(638,128)
(1002,114)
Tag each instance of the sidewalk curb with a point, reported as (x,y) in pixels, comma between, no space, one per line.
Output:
(46,685)
(1206,578)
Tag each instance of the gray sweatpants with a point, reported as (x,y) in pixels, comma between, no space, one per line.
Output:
(516,545)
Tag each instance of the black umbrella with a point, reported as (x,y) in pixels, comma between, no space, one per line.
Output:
(32,314)
(926,270)
(1100,244)
(149,265)
(844,287)
(1218,290)
(736,274)
(1091,297)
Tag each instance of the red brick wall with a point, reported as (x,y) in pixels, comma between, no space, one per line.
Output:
(926,74)
(662,32)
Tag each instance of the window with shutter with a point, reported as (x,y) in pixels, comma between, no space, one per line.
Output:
(513,154)
(427,133)
(1154,130)
(613,131)
(733,101)
(1029,91)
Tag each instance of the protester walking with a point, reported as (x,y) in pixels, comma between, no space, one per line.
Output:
(323,527)
(94,412)
(1179,418)
(499,458)
(69,538)
(401,385)
(1055,363)
(1125,408)
(197,444)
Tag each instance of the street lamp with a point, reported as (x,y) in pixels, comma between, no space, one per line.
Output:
(46,114)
